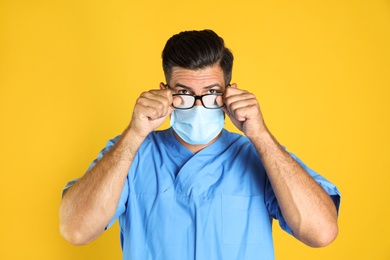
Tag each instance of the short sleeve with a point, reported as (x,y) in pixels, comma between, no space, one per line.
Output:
(121,208)
(273,206)
(123,199)
(108,146)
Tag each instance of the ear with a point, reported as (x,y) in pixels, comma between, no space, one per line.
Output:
(163,86)
(233,85)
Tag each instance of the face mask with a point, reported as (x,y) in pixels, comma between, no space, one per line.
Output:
(197,125)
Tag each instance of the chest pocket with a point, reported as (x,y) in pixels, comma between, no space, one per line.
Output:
(245,219)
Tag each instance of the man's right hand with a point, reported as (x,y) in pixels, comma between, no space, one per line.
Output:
(92,201)
(150,111)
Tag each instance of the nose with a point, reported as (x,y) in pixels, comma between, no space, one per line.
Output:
(198,102)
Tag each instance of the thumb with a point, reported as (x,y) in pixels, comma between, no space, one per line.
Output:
(176,101)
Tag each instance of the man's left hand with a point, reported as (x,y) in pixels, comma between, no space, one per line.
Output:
(243,109)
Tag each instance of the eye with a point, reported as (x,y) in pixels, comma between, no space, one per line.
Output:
(182,91)
(213,91)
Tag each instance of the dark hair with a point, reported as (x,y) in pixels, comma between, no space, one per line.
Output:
(197,50)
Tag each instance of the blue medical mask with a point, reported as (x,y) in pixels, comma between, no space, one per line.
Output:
(197,125)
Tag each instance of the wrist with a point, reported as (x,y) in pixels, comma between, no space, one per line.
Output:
(130,141)
(264,142)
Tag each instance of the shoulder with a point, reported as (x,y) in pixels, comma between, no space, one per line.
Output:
(235,139)
(158,141)
(161,136)
(237,143)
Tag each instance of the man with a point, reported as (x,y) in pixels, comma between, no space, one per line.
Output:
(195,190)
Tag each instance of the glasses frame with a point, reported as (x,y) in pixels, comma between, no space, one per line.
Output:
(196,98)
(200,98)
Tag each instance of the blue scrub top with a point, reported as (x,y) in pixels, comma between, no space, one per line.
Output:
(216,204)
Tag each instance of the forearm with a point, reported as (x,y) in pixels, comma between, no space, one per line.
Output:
(306,207)
(91,202)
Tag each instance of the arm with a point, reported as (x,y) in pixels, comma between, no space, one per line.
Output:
(90,204)
(306,207)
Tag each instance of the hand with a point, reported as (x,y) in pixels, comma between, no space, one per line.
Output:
(151,110)
(244,111)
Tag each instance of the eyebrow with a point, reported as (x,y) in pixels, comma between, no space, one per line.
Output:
(189,88)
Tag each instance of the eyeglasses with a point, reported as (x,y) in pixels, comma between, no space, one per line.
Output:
(210,101)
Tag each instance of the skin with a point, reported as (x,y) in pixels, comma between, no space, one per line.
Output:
(90,203)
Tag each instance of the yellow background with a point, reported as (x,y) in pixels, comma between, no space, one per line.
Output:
(70,72)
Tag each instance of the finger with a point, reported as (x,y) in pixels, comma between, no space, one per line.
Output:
(245,110)
(153,101)
(244,113)
(233,90)
(240,100)
(241,106)
(219,101)
(160,105)
(176,101)
(152,113)
(163,96)
(167,93)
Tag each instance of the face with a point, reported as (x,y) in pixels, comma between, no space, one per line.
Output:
(209,80)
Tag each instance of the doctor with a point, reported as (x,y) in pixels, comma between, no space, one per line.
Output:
(195,190)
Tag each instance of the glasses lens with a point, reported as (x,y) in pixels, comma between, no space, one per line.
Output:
(187,101)
(212,101)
